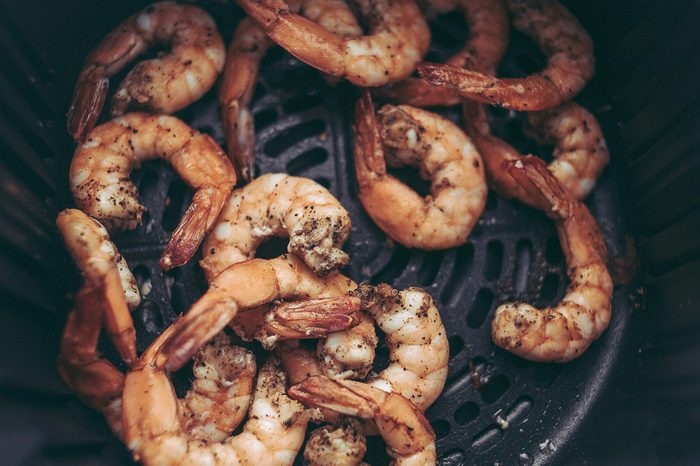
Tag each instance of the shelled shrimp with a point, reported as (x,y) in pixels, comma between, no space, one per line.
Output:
(157,432)
(409,437)
(279,205)
(350,353)
(165,84)
(489,31)
(334,15)
(580,153)
(108,286)
(445,156)
(563,332)
(399,37)
(339,444)
(570,62)
(99,176)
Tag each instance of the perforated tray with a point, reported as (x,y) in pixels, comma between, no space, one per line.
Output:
(496,408)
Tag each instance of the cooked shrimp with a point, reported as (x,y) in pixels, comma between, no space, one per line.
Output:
(444,155)
(246,285)
(279,205)
(580,153)
(489,31)
(334,15)
(340,444)
(570,62)
(107,278)
(399,38)
(99,176)
(409,437)
(562,332)
(163,85)
(349,354)
(157,434)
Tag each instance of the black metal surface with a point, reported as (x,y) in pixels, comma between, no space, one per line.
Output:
(303,127)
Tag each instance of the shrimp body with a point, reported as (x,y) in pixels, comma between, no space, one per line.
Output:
(108,282)
(489,31)
(570,62)
(563,332)
(279,205)
(334,15)
(443,154)
(399,38)
(165,84)
(340,444)
(350,353)
(99,176)
(409,437)
(580,153)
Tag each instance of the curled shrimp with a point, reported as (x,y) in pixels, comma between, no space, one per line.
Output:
(108,283)
(99,176)
(489,31)
(165,84)
(279,205)
(350,353)
(562,332)
(409,437)
(445,156)
(334,15)
(157,432)
(570,62)
(580,153)
(399,38)
(340,444)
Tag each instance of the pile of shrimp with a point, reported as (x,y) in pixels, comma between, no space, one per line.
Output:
(316,330)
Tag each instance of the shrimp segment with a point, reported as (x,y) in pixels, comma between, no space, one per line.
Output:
(444,155)
(580,153)
(279,205)
(489,30)
(570,62)
(409,437)
(165,84)
(399,38)
(99,176)
(562,332)
(349,354)
(334,15)
(340,444)
(108,282)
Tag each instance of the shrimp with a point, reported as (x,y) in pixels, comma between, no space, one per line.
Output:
(349,354)
(399,38)
(157,433)
(108,282)
(563,332)
(99,176)
(445,156)
(580,153)
(409,437)
(163,85)
(570,62)
(279,205)
(489,30)
(334,15)
(340,444)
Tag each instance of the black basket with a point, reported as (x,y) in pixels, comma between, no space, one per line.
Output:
(632,398)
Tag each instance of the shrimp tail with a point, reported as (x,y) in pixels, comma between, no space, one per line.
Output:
(193,226)
(417,93)
(369,154)
(476,120)
(87,102)
(334,394)
(240,138)
(314,318)
(117,318)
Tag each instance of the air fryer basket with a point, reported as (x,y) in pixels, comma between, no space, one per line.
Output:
(610,405)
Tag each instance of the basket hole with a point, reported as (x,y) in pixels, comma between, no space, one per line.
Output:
(441,427)
(307,160)
(550,287)
(395,267)
(466,413)
(491,201)
(410,176)
(454,457)
(456,345)
(495,389)
(480,308)
(259,92)
(294,135)
(552,251)
(494,258)
(264,118)
(302,102)
(463,261)
(143,279)
(148,185)
(272,247)
(486,439)
(518,412)
(173,205)
(151,317)
(430,267)
(523,261)
(325,182)
(546,374)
